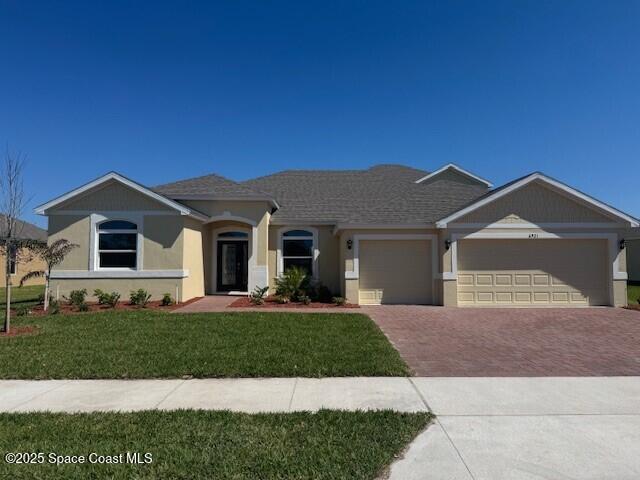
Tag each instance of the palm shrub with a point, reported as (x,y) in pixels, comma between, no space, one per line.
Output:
(293,283)
(52,255)
(139,297)
(256,297)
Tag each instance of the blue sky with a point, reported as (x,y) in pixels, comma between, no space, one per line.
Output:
(162,91)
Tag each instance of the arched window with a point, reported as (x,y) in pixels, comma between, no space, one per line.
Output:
(117,244)
(297,250)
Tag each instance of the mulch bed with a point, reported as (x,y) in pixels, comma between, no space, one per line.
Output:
(633,307)
(66,309)
(271,302)
(21,331)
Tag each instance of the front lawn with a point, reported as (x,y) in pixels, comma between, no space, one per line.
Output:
(148,344)
(633,294)
(27,295)
(206,444)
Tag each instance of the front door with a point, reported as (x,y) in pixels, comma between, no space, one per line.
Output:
(232,265)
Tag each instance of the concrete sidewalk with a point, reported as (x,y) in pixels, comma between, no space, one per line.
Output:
(487,428)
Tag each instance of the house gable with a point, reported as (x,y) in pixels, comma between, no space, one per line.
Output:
(112,196)
(535,203)
(454,173)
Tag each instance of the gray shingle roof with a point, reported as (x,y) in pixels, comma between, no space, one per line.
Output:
(24,230)
(384,194)
(207,185)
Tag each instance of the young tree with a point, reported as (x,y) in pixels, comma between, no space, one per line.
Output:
(52,255)
(12,205)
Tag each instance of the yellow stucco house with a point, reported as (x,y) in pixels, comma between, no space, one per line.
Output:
(387,234)
(24,262)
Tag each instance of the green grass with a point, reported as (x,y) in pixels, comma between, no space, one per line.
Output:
(27,295)
(147,344)
(633,294)
(205,444)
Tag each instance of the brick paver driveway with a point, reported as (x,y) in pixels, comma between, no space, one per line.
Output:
(437,341)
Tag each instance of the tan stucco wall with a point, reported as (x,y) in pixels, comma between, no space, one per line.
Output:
(27,262)
(76,229)
(633,260)
(157,287)
(534,203)
(193,253)
(112,196)
(163,242)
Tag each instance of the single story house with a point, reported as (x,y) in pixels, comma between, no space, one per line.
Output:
(387,234)
(25,261)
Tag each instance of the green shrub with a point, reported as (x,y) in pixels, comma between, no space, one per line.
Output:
(305,299)
(77,297)
(293,283)
(111,299)
(256,297)
(282,299)
(22,310)
(83,307)
(101,296)
(139,297)
(41,299)
(167,300)
(339,301)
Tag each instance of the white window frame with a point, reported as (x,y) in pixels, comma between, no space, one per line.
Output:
(315,252)
(98,219)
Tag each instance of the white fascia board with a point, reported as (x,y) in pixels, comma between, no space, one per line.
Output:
(462,171)
(381,226)
(561,187)
(253,198)
(41,210)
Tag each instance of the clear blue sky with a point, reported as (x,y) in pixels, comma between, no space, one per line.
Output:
(163,91)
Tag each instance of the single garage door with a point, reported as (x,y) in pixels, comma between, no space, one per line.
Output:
(556,272)
(395,271)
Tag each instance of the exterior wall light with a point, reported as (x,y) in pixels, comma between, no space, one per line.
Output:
(623,244)
(447,244)
(349,244)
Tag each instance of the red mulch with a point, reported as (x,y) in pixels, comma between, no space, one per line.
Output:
(633,307)
(66,309)
(21,330)
(271,302)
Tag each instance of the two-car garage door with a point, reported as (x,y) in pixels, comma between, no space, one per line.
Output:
(540,272)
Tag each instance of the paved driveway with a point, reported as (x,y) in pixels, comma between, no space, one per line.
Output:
(450,342)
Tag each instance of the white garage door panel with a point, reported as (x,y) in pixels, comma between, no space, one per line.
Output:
(548,272)
(395,271)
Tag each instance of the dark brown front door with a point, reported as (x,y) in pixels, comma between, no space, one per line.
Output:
(232,266)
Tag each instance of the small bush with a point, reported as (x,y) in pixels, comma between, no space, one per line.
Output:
(139,297)
(339,301)
(293,283)
(167,300)
(41,299)
(257,296)
(305,299)
(22,310)
(77,297)
(282,299)
(83,307)
(54,307)
(111,299)
(101,296)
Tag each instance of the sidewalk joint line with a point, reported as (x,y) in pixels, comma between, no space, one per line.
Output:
(64,382)
(456,449)
(293,391)
(417,390)
(157,405)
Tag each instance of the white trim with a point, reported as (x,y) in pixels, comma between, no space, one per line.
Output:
(98,218)
(355,273)
(560,187)
(254,198)
(87,274)
(381,226)
(146,213)
(41,210)
(227,216)
(528,225)
(462,171)
(314,246)
(611,238)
